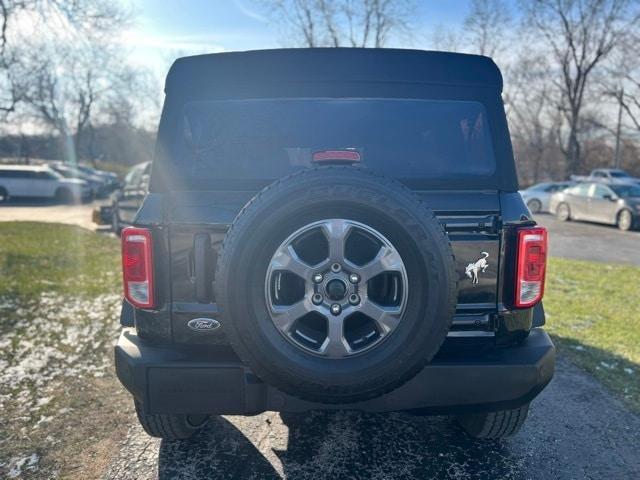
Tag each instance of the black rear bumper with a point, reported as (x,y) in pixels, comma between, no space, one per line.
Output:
(170,380)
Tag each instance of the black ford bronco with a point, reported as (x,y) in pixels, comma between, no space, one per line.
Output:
(333,229)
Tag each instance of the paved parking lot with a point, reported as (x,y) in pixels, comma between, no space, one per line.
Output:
(591,241)
(576,429)
(39,211)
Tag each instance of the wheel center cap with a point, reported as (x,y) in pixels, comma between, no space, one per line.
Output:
(336,289)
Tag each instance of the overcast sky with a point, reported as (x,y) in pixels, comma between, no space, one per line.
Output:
(166,29)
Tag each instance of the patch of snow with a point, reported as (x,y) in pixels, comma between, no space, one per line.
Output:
(54,337)
(41,402)
(25,463)
(43,419)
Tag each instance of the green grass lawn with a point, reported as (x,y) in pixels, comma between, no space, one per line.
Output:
(53,258)
(593,313)
(62,410)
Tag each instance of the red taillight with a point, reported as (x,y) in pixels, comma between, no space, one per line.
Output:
(328,156)
(531,266)
(137,266)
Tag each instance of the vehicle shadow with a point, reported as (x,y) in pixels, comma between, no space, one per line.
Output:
(220,451)
(335,445)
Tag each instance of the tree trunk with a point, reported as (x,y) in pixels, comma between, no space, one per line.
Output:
(574,160)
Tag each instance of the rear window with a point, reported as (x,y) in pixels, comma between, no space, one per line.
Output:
(265,139)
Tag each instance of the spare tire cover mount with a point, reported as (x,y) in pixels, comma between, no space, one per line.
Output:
(336,285)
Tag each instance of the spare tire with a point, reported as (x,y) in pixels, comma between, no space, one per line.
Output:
(336,285)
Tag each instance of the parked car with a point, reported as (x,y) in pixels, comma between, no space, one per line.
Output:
(126,201)
(615,204)
(109,178)
(607,175)
(326,229)
(537,196)
(40,182)
(98,185)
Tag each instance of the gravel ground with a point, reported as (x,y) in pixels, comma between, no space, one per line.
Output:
(591,241)
(576,429)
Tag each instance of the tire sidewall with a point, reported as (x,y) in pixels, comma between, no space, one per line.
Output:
(561,217)
(621,225)
(534,203)
(415,341)
(115,220)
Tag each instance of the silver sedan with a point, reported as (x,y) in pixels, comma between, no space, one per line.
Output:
(598,202)
(537,196)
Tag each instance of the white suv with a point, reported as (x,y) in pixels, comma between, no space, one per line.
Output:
(40,181)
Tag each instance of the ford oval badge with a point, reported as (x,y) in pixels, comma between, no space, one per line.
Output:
(203,325)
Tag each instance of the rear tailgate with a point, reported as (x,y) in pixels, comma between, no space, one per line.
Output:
(471,219)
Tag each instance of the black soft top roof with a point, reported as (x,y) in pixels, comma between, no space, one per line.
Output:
(337,73)
(370,65)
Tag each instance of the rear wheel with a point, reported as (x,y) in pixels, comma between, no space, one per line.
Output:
(115,220)
(535,206)
(494,425)
(563,212)
(625,220)
(170,426)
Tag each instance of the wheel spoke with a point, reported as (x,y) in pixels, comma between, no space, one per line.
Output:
(287,259)
(285,315)
(387,260)
(387,318)
(336,232)
(359,296)
(335,345)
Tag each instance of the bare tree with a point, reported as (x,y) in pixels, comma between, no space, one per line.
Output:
(623,84)
(11,87)
(532,117)
(486,27)
(337,23)
(630,102)
(445,39)
(65,88)
(580,36)
(70,76)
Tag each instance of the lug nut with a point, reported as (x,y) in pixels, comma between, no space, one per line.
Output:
(354,299)
(354,278)
(336,309)
(317,278)
(316,299)
(336,267)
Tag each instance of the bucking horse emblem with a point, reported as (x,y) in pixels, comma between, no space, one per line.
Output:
(480,265)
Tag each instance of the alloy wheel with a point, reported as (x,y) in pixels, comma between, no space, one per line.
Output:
(336,288)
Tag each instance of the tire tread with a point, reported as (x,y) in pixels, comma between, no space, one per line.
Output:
(167,426)
(230,241)
(494,425)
